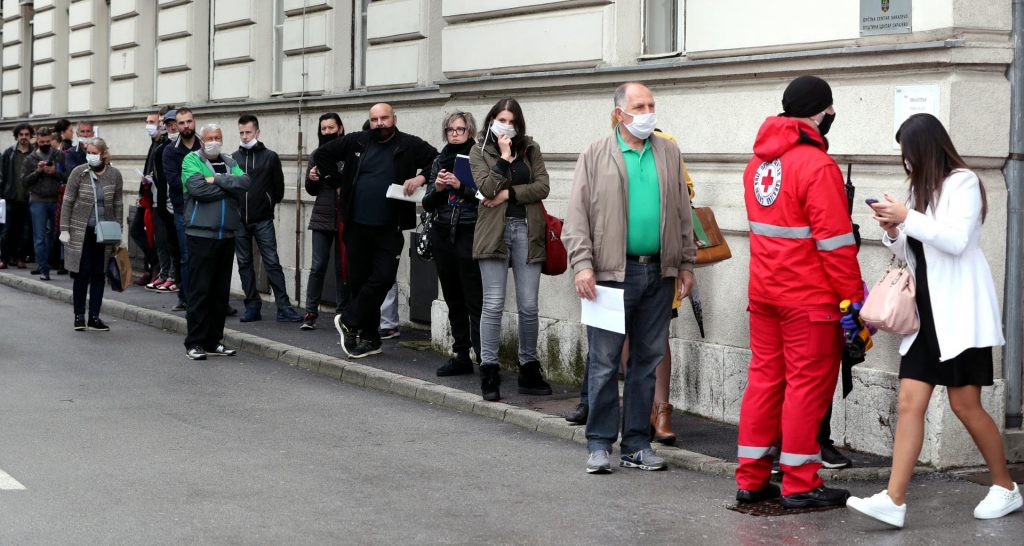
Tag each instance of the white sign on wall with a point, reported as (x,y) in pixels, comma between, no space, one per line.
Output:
(913,99)
(884,17)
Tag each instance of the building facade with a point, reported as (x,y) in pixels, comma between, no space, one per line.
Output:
(717,69)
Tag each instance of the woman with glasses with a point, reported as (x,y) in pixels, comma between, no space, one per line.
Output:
(95,193)
(509,170)
(453,203)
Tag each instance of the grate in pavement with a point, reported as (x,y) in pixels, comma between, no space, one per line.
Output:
(772,508)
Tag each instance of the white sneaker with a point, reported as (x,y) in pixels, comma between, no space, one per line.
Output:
(881,507)
(999,502)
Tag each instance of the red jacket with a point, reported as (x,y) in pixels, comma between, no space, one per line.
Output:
(802,249)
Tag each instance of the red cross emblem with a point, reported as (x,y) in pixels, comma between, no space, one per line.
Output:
(767,180)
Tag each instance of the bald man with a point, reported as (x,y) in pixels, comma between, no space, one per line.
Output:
(374,160)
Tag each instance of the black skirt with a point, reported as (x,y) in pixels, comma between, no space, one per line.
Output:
(971,367)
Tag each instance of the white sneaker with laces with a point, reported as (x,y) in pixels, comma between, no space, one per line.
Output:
(881,507)
(999,502)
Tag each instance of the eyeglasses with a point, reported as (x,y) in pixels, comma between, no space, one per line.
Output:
(455,131)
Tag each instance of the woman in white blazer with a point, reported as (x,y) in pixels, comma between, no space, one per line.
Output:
(939,238)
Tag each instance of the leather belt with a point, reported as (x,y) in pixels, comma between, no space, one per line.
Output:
(652,259)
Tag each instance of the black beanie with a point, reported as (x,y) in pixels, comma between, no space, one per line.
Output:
(805,97)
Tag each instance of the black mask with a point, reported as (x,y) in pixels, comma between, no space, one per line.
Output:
(826,124)
(324,139)
(376,134)
(44,149)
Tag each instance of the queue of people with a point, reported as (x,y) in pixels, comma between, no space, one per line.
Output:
(628,227)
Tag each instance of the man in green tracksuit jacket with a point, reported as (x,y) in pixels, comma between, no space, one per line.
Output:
(211,182)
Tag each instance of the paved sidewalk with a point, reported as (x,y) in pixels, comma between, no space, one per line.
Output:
(704,445)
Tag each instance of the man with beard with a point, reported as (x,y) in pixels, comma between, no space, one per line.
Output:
(173,155)
(16,234)
(374,160)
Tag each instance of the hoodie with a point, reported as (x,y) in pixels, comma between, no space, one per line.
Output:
(266,187)
(802,248)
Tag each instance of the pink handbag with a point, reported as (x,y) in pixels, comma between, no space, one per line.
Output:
(891,305)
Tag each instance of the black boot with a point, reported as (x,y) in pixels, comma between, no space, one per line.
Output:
(531,380)
(816,498)
(490,381)
(459,365)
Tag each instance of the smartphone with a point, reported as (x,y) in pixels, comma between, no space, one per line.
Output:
(870,201)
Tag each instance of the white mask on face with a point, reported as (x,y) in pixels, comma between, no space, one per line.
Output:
(906,163)
(151,130)
(212,148)
(172,136)
(643,124)
(94,160)
(250,144)
(499,128)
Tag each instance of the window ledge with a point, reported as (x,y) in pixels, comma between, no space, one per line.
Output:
(659,56)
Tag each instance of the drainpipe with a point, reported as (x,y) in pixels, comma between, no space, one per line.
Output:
(1014,283)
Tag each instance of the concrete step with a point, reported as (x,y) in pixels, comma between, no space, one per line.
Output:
(1014,439)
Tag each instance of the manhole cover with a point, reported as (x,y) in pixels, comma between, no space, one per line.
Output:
(770,508)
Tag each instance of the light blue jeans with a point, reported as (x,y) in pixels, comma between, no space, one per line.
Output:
(494,274)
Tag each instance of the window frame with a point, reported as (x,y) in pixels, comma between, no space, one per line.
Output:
(679,26)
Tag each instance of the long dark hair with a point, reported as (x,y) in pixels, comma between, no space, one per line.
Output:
(336,118)
(932,157)
(510,104)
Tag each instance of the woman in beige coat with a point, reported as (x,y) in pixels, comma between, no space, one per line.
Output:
(83,256)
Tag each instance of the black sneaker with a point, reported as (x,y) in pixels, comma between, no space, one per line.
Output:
(348,335)
(531,380)
(36,271)
(182,306)
(96,324)
(579,415)
(195,353)
(79,323)
(832,458)
(747,496)
(816,498)
(490,382)
(45,276)
(221,350)
(389,333)
(458,365)
(308,321)
(365,348)
(62,271)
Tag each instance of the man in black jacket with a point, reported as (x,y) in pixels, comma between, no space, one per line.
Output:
(374,160)
(42,177)
(173,155)
(266,189)
(16,234)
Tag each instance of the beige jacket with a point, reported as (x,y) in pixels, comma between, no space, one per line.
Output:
(595,229)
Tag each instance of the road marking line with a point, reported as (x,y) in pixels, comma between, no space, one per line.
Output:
(7,482)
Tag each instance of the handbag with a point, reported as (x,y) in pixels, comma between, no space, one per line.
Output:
(711,245)
(119,270)
(891,305)
(423,248)
(557,260)
(107,233)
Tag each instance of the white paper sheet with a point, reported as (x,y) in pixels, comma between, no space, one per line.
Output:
(607,311)
(396,191)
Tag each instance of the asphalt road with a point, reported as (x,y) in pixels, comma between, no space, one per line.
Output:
(118,439)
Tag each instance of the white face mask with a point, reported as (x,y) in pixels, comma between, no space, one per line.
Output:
(172,136)
(643,124)
(94,160)
(906,163)
(250,144)
(499,128)
(212,148)
(151,130)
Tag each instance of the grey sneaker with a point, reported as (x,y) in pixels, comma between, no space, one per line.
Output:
(348,336)
(598,463)
(645,459)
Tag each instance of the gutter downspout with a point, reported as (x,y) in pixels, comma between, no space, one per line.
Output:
(1014,282)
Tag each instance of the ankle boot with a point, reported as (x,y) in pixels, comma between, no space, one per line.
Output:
(531,380)
(661,422)
(490,381)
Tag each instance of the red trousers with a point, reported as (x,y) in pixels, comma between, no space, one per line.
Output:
(792,377)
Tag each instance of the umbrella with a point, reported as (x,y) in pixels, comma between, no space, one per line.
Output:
(698,308)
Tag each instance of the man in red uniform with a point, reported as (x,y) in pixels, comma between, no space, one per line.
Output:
(803,262)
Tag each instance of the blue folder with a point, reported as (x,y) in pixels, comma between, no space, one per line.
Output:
(463,172)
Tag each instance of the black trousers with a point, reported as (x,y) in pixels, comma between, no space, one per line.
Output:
(16,234)
(373,253)
(90,277)
(460,283)
(210,263)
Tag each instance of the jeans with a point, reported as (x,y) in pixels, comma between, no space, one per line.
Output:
(324,246)
(372,253)
(648,305)
(494,276)
(16,234)
(210,276)
(167,252)
(460,283)
(179,227)
(43,226)
(389,309)
(90,276)
(266,240)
